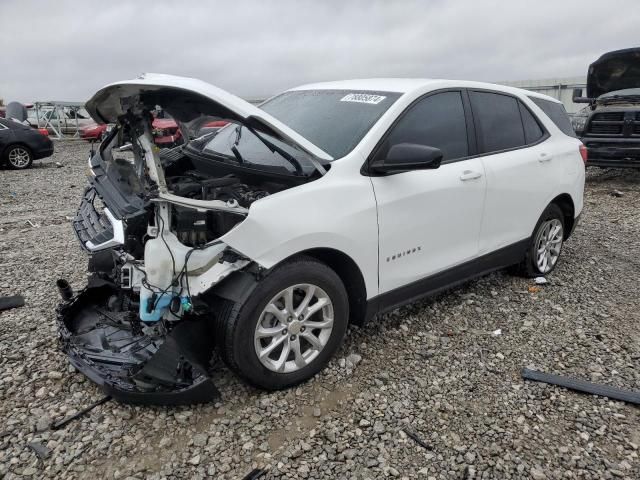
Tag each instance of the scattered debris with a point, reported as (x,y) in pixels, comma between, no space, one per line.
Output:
(14,301)
(59,165)
(255,473)
(533,289)
(497,332)
(34,225)
(540,280)
(582,386)
(616,193)
(63,423)
(416,438)
(40,450)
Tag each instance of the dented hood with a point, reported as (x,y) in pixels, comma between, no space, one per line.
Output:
(187,98)
(613,71)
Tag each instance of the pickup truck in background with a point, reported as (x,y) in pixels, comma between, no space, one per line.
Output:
(610,125)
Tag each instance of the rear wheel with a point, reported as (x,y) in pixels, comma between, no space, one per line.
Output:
(546,244)
(19,157)
(288,329)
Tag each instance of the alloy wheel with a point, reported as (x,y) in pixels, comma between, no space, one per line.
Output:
(548,244)
(293,328)
(19,157)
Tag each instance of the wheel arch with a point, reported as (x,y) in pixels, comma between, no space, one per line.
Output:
(566,204)
(241,283)
(350,274)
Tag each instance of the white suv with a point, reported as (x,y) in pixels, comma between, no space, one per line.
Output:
(326,205)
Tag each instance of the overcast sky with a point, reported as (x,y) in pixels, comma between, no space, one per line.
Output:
(64,50)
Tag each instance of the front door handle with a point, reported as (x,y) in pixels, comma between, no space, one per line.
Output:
(469,175)
(545,157)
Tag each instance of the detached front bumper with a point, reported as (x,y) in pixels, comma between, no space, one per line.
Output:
(115,351)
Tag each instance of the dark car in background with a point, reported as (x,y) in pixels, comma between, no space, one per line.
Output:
(610,125)
(21,144)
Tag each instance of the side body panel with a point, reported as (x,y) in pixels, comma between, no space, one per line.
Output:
(522,182)
(337,211)
(519,182)
(429,221)
(6,137)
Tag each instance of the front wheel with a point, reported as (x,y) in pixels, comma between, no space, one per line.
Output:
(288,329)
(546,244)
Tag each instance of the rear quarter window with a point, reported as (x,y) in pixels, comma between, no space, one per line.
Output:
(556,112)
(532,129)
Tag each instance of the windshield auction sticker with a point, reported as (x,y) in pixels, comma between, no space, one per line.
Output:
(363,98)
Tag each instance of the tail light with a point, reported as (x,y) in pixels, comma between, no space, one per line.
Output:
(44,131)
(584,153)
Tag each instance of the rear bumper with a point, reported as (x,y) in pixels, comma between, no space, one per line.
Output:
(44,151)
(112,351)
(613,152)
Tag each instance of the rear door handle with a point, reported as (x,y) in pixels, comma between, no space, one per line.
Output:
(469,175)
(545,157)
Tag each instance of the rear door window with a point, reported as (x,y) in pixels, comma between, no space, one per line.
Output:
(498,121)
(556,112)
(436,121)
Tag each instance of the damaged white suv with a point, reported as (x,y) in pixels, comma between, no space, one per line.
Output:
(259,242)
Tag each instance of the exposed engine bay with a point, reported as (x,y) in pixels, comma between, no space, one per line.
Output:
(151,221)
(194,227)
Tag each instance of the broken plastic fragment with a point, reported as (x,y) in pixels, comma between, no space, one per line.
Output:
(540,280)
(497,332)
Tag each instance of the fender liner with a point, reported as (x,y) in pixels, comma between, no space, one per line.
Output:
(237,287)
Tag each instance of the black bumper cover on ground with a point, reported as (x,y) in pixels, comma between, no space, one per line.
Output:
(172,370)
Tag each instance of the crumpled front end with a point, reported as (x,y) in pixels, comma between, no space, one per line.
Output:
(143,328)
(102,334)
(152,222)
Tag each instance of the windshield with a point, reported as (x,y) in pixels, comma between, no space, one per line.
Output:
(239,145)
(334,120)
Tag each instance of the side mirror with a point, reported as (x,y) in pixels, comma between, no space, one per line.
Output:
(578,98)
(409,156)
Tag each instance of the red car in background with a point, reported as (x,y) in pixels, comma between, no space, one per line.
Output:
(165,131)
(93,132)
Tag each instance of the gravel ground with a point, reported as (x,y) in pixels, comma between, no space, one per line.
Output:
(434,367)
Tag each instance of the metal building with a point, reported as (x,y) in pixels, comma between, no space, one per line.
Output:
(560,88)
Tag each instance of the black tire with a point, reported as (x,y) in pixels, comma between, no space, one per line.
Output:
(236,323)
(529,267)
(21,150)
